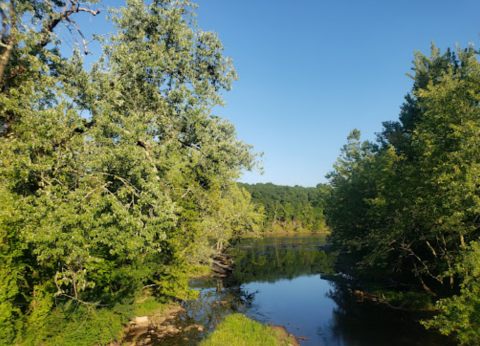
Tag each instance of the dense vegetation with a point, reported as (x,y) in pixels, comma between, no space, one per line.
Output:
(290,208)
(407,207)
(114,180)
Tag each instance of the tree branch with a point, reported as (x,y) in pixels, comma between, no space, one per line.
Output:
(66,13)
(81,34)
(9,42)
(4,23)
(190,146)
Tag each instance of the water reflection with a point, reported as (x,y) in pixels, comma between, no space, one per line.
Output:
(278,280)
(218,299)
(363,324)
(272,258)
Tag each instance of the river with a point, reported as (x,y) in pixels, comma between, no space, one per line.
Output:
(278,280)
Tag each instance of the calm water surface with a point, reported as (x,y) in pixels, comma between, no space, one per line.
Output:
(278,280)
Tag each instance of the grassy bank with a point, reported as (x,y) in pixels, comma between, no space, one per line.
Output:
(238,330)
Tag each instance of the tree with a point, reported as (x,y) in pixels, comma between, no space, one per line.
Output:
(106,174)
(410,206)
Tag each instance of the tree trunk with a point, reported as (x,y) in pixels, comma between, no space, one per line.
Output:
(10,43)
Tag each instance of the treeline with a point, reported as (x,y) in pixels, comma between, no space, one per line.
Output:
(290,208)
(407,206)
(116,180)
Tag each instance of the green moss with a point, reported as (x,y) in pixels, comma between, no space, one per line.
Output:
(238,330)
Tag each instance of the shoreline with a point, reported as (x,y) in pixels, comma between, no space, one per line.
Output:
(286,233)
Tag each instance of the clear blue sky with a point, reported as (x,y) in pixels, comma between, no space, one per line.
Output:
(311,71)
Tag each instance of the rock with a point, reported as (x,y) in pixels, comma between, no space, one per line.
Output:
(189,328)
(141,320)
(194,326)
(302,338)
(160,320)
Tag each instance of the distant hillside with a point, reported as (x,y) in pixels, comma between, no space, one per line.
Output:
(290,208)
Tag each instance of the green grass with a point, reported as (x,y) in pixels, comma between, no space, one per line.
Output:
(238,330)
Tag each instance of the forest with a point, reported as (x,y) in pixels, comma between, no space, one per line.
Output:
(290,208)
(114,178)
(405,207)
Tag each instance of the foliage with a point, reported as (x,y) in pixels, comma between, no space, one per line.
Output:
(461,312)
(405,208)
(111,178)
(231,215)
(288,207)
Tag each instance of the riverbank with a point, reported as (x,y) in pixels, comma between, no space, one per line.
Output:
(157,326)
(405,301)
(408,300)
(279,280)
(165,327)
(238,330)
(288,232)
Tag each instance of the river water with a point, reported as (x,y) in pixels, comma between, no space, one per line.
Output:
(278,280)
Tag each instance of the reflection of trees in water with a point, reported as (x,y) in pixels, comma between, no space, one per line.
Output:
(269,262)
(260,260)
(361,324)
(221,298)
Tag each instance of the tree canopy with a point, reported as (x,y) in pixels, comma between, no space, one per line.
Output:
(290,207)
(407,206)
(115,177)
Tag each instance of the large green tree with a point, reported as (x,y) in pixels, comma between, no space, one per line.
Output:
(408,209)
(108,175)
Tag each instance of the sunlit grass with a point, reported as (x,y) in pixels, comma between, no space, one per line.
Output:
(238,330)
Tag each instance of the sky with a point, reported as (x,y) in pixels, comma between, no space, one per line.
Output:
(312,70)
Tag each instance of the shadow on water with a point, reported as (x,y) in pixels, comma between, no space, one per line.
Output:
(354,323)
(278,280)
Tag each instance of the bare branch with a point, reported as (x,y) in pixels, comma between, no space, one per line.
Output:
(81,34)
(92,12)
(152,285)
(95,36)
(66,13)
(81,301)
(66,7)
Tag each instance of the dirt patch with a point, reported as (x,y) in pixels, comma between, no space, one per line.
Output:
(284,335)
